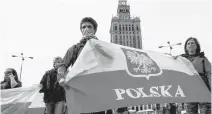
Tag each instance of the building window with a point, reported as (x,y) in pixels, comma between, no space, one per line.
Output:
(120,10)
(134,41)
(129,27)
(149,106)
(139,46)
(137,28)
(120,27)
(115,27)
(126,27)
(132,27)
(123,27)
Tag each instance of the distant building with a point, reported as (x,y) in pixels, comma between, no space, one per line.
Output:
(125,30)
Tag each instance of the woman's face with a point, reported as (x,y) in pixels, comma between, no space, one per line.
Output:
(7,73)
(191,46)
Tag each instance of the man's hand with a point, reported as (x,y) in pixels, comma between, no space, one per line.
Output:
(63,84)
(87,33)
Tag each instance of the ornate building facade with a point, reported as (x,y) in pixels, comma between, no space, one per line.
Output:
(125,30)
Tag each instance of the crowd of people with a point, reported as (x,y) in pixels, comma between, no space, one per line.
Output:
(53,85)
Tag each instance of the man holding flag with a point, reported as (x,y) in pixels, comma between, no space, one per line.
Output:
(88,27)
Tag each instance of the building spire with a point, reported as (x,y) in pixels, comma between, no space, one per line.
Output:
(125,30)
(122,2)
(123,11)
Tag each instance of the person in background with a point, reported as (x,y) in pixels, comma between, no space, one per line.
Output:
(54,94)
(10,79)
(203,67)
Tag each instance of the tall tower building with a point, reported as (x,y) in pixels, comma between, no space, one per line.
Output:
(125,30)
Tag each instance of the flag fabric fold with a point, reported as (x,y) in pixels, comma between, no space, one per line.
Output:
(17,100)
(107,76)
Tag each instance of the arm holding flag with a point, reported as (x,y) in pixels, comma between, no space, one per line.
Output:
(67,61)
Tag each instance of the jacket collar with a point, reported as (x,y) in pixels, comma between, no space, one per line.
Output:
(84,40)
(201,54)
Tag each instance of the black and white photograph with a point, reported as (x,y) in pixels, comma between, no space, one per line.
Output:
(105,56)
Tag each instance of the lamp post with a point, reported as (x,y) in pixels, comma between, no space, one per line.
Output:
(170,46)
(22,60)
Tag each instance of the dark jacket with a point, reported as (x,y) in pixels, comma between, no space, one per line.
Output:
(202,66)
(71,56)
(53,92)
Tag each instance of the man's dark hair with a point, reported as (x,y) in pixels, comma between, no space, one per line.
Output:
(90,20)
(197,43)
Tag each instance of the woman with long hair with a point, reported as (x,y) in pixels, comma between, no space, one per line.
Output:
(10,79)
(203,67)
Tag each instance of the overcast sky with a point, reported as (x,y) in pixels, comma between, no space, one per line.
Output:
(44,29)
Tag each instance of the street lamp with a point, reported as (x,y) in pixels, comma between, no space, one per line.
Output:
(22,60)
(170,46)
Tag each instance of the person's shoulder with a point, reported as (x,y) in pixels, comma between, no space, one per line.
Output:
(184,55)
(70,49)
(49,71)
(202,55)
(2,82)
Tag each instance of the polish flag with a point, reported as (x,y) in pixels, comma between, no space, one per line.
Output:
(107,76)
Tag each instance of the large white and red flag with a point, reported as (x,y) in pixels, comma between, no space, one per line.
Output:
(107,76)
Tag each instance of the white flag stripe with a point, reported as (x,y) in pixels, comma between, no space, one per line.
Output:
(18,95)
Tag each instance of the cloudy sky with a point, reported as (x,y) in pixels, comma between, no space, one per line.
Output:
(44,29)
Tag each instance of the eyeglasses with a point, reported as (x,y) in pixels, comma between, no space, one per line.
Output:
(88,26)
